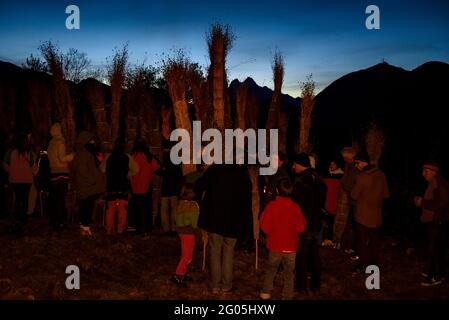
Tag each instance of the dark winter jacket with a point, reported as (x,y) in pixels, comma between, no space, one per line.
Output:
(87,178)
(171,178)
(226,208)
(309,191)
(119,167)
(369,192)
(439,205)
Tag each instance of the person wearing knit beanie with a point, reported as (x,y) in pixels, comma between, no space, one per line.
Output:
(301,160)
(435,213)
(432,165)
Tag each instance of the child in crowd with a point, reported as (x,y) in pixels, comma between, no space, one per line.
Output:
(186,218)
(332,182)
(282,221)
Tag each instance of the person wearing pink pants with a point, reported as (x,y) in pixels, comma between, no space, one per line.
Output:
(187,247)
(119,206)
(186,218)
(119,167)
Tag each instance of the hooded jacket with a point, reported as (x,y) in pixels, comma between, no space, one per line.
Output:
(119,169)
(282,221)
(87,178)
(369,192)
(56,151)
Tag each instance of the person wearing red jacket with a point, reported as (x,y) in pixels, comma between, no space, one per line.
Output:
(332,183)
(282,221)
(141,202)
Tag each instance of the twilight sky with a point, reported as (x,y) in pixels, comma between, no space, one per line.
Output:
(325,38)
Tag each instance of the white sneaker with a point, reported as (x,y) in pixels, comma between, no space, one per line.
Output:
(327,243)
(431,282)
(85,231)
(265,296)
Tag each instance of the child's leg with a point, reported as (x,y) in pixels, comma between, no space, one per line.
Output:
(121,215)
(274,259)
(187,247)
(288,263)
(110,215)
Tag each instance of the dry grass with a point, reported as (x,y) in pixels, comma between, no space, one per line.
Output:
(219,41)
(61,91)
(274,113)
(129,267)
(175,73)
(307,105)
(117,70)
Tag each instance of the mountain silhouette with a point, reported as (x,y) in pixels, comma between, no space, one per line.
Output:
(410,106)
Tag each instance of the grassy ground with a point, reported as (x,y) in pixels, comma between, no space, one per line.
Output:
(33,265)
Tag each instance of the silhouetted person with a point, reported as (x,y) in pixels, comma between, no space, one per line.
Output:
(309,192)
(369,192)
(344,223)
(333,183)
(141,203)
(119,167)
(435,213)
(59,178)
(170,190)
(225,215)
(18,163)
(87,179)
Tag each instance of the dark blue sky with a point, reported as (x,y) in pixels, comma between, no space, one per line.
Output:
(325,38)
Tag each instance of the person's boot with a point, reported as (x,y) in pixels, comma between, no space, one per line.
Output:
(430,282)
(187,278)
(178,280)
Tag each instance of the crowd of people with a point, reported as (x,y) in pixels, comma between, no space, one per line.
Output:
(301,210)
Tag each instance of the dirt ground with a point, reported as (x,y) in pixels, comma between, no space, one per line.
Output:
(32,266)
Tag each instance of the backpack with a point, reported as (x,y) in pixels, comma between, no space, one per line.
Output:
(187,213)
